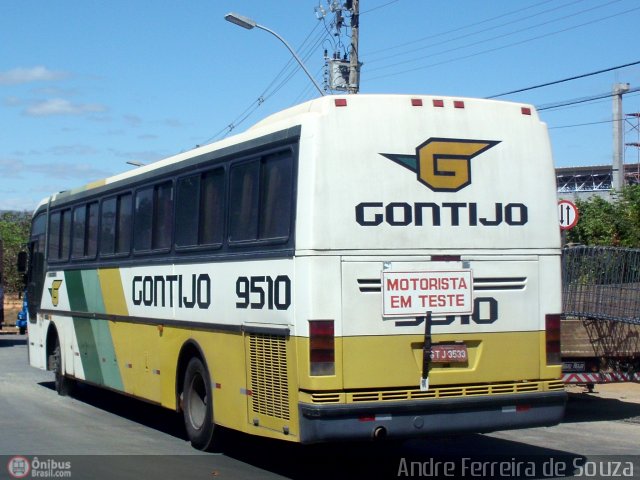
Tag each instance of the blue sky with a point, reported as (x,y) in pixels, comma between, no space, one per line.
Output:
(87,85)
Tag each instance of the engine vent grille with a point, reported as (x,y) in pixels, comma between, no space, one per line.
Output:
(437,392)
(268,367)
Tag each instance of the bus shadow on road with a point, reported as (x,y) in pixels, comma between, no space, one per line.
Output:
(13,341)
(138,411)
(364,459)
(425,457)
(583,407)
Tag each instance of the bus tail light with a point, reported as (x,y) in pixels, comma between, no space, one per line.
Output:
(552,327)
(322,347)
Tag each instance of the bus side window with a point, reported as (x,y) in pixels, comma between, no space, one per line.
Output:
(153,220)
(243,207)
(212,207)
(85,231)
(275,198)
(79,225)
(124,224)
(60,235)
(108,226)
(187,206)
(261,198)
(162,216)
(143,220)
(115,225)
(65,242)
(54,236)
(91,236)
(200,209)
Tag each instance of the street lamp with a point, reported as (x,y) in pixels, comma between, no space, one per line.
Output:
(248,23)
(136,163)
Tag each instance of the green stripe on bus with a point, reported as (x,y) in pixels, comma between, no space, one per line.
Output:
(88,349)
(101,333)
(92,291)
(75,290)
(82,327)
(106,354)
(94,337)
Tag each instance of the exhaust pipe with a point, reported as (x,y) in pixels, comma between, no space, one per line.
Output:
(379,433)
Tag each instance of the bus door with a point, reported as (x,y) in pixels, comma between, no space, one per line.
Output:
(35,285)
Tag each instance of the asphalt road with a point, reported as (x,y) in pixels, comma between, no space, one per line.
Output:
(105,435)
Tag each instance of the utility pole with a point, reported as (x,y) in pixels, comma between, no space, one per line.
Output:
(617,169)
(342,65)
(354,66)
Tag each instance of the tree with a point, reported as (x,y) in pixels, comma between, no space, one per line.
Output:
(14,231)
(607,223)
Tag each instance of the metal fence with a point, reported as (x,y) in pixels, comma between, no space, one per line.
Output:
(601,283)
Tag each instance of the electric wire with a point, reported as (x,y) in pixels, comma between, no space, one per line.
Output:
(577,101)
(291,64)
(490,39)
(556,82)
(308,92)
(485,30)
(285,74)
(580,125)
(291,74)
(455,30)
(502,47)
(591,123)
(372,9)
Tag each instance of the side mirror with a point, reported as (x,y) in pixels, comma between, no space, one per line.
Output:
(22,262)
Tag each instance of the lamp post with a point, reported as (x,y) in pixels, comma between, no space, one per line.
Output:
(248,23)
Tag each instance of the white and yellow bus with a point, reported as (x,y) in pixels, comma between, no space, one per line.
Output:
(352,267)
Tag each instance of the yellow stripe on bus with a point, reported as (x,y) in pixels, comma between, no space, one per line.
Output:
(112,291)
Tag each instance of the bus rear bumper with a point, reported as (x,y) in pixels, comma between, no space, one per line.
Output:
(321,423)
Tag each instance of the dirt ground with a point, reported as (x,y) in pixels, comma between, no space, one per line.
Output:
(626,392)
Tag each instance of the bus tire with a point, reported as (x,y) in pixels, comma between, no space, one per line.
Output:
(64,386)
(197,405)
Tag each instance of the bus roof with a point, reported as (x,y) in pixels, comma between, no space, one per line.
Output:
(283,119)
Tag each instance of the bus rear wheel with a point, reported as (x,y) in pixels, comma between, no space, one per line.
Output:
(197,405)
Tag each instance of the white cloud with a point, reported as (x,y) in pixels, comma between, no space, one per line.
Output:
(67,150)
(12,101)
(75,172)
(19,75)
(12,167)
(82,171)
(133,120)
(60,106)
(173,122)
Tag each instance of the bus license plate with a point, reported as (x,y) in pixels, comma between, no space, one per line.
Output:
(449,353)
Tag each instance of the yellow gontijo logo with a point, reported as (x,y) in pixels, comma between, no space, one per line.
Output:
(55,287)
(443,164)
